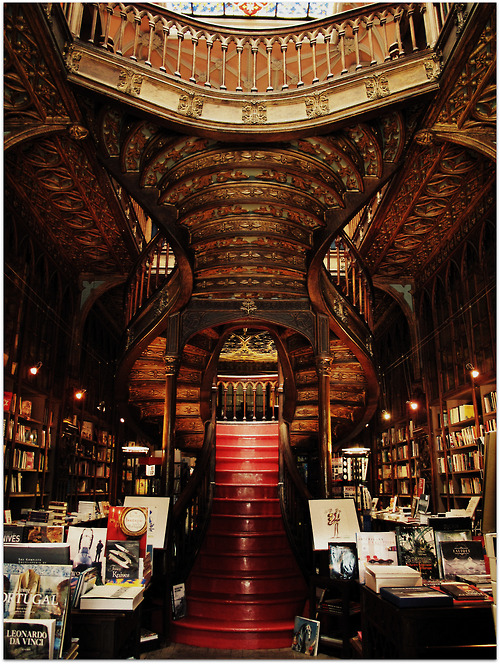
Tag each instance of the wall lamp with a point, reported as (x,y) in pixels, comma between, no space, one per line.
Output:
(413,405)
(79,394)
(35,368)
(386,415)
(473,372)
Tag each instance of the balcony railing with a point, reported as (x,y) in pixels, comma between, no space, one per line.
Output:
(247,398)
(348,275)
(260,60)
(151,272)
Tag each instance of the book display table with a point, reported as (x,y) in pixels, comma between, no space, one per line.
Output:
(463,631)
(107,634)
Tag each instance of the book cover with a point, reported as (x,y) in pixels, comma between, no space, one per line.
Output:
(416,548)
(333,519)
(463,591)
(157,518)
(306,636)
(38,592)
(375,548)
(28,639)
(44,533)
(116,533)
(448,536)
(87,546)
(110,597)
(343,560)
(462,557)
(122,561)
(13,534)
(179,609)
(416,596)
(37,553)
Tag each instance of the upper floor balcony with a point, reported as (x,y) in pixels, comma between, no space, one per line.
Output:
(256,81)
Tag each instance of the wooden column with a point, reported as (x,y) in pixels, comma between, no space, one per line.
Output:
(167,442)
(325,429)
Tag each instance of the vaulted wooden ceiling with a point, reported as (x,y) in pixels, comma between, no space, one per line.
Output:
(56,183)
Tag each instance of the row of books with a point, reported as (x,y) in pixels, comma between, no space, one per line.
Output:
(461,413)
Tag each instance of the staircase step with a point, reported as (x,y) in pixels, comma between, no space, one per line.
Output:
(207,605)
(246,543)
(246,477)
(216,633)
(247,429)
(264,584)
(269,506)
(248,562)
(257,442)
(246,465)
(230,523)
(248,492)
(245,452)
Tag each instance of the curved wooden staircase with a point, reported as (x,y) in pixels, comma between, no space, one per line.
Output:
(245,588)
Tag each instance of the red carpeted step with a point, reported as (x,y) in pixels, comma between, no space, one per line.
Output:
(270,506)
(245,588)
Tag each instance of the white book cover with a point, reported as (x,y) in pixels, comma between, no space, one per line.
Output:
(112,597)
(333,519)
(375,548)
(158,516)
(86,546)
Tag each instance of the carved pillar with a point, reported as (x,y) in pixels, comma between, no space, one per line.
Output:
(167,442)
(325,429)
(323,367)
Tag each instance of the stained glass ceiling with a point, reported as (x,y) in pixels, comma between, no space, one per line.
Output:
(267,10)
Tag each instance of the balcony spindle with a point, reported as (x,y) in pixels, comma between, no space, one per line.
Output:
(315,73)
(298,47)
(239,49)
(164,52)
(255,48)
(269,48)
(109,10)
(209,54)
(137,20)
(355,30)
(150,45)
(180,39)
(121,30)
(329,74)
(283,50)
(254,389)
(224,53)
(397,19)
(383,23)
(94,24)
(194,41)
(414,46)
(342,51)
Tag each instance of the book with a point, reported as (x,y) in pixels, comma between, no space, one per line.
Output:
(306,636)
(24,638)
(44,533)
(416,548)
(38,592)
(36,553)
(87,546)
(462,557)
(463,591)
(179,609)
(115,531)
(13,534)
(343,560)
(157,519)
(448,536)
(122,560)
(333,519)
(110,597)
(375,548)
(82,583)
(416,596)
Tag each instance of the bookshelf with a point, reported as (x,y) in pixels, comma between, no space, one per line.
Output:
(29,440)
(460,422)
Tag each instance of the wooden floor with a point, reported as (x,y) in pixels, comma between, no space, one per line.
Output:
(179,651)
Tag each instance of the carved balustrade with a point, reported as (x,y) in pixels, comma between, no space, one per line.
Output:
(155,264)
(349,276)
(247,398)
(258,60)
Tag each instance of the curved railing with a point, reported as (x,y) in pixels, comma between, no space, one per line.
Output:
(247,397)
(150,273)
(191,512)
(348,275)
(258,60)
(294,499)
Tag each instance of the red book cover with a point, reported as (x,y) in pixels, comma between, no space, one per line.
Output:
(115,532)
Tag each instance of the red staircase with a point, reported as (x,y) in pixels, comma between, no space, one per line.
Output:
(245,588)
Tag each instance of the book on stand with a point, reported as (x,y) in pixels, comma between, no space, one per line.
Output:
(306,636)
(122,561)
(417,548)
(24,638)
(462,557)
(343,560)
(31,553)
(179,609)
(375,548)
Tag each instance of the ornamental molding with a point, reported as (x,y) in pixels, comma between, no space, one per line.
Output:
(130,82)
(191,105)
(377,87)
(317,105)
(254,112)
